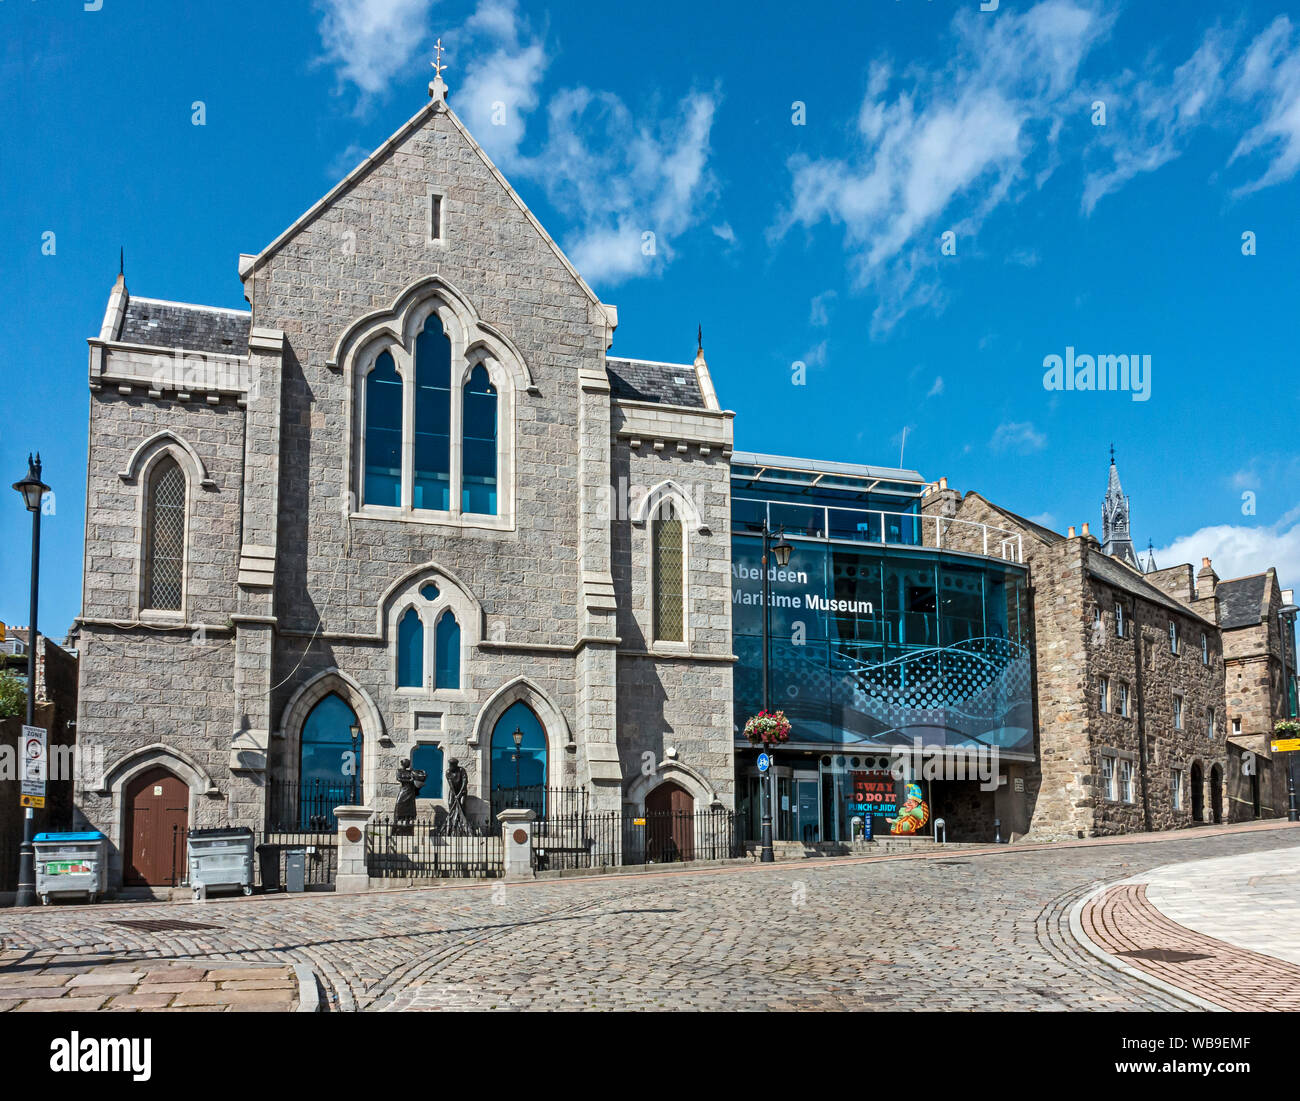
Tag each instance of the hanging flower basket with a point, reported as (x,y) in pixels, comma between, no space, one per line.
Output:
(768,728)
(1287,728)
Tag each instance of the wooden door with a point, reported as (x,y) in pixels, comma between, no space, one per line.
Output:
(670,824)
(157,820)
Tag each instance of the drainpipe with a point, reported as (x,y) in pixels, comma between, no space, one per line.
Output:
(1141,721)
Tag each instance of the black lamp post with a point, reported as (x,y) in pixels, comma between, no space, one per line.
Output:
(518,738)
(780,550)
(32,490)
(1286,615)
(355,731)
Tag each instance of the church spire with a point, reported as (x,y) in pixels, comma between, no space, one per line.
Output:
(1115,538)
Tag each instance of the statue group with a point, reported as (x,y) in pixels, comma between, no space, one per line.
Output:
(456,823)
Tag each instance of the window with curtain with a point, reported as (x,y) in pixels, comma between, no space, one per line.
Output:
(479,462)
(383,456)
(410,650)
(447,651)
(431,486)
(669,578)
(164,542)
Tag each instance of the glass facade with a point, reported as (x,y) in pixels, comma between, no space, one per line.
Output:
(876,641)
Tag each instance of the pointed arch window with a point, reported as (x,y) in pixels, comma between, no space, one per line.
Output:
(383,473)
(164,540)
(668,569)
(479,452)
(446,646)
(410,650)
(431,479)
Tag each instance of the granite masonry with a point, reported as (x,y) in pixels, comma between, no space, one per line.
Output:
(291,580)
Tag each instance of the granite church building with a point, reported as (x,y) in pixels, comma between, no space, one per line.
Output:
(406,506)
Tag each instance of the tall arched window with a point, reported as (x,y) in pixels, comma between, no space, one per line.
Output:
(668,569)
(329,763)
(479,462)
(431,488)
(518,776)
(410,650)
(447,651)
(383,484)
(164,539)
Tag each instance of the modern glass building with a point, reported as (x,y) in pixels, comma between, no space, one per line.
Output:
(894,657)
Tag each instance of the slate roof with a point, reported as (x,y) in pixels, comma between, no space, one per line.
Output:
(1241,600)
(1113,572)
(181,325)
(662,383)
(1047,535)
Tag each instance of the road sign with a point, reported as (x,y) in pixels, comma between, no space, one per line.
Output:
(33,764)
(1287,745)
(37,801)
(764,762)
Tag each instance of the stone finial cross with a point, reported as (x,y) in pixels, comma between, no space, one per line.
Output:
(436,63)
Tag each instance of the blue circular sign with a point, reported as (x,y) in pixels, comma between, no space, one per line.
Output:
(764,762)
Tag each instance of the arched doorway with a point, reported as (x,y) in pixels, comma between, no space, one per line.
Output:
(1198,793)
(329,766)
(518,771)
(1216,794)
(157,806)
(670,824)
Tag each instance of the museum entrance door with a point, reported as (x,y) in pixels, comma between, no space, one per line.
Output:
(670,824)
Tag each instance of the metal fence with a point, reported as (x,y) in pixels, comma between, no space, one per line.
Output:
(416,850)
(542,801)
(308,806)
(620,838)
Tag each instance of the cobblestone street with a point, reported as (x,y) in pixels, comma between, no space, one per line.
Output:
(955,930)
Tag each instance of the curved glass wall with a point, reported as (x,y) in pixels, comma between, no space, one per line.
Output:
(879,646)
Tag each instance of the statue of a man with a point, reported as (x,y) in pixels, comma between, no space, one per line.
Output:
(457,791)
(412,780)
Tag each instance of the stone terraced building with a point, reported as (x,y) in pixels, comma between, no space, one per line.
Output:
(1129,682)
(406,506)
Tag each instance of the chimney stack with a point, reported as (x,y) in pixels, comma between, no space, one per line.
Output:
(1070,533)
(1206,581)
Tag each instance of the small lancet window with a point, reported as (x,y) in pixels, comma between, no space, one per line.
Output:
(447,649)
(410,650)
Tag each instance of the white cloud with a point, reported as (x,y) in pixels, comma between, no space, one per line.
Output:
(1018,436)
(370,41)
(725,232)
(1270,75)
(819,309)
(1149,123)
(1237,550)
(632,183)
(965,133)
(936,388)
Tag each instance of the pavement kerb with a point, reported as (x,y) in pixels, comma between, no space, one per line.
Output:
(1092,948)
(735,866)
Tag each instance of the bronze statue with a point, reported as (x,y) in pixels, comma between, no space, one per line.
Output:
(412,780)
(457,824)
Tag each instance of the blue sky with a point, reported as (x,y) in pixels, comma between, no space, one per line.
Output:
(810,234)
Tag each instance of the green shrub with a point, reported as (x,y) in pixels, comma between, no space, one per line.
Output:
(13,697)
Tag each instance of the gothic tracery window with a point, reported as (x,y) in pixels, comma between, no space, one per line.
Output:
(668,565)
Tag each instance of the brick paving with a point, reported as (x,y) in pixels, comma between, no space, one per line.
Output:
(52,982)
(1126,925)
(955,930)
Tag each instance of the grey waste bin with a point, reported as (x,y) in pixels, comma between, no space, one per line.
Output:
(295,869)
(71,864)
(220,858)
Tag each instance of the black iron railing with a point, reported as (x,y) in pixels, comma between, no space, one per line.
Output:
(542,801)
(306,807)
(416,850)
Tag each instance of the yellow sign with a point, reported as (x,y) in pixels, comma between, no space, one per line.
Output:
(1287,745)
(2,632)
(37,801)
(638,821)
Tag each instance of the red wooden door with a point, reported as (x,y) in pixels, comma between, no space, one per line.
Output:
(670,824)
(157,820)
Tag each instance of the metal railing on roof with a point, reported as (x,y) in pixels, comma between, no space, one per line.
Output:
(860,525)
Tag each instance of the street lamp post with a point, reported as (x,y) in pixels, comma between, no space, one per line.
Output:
(32,490)
(355,731)
(518,738)
(1287,614)
(781,552)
